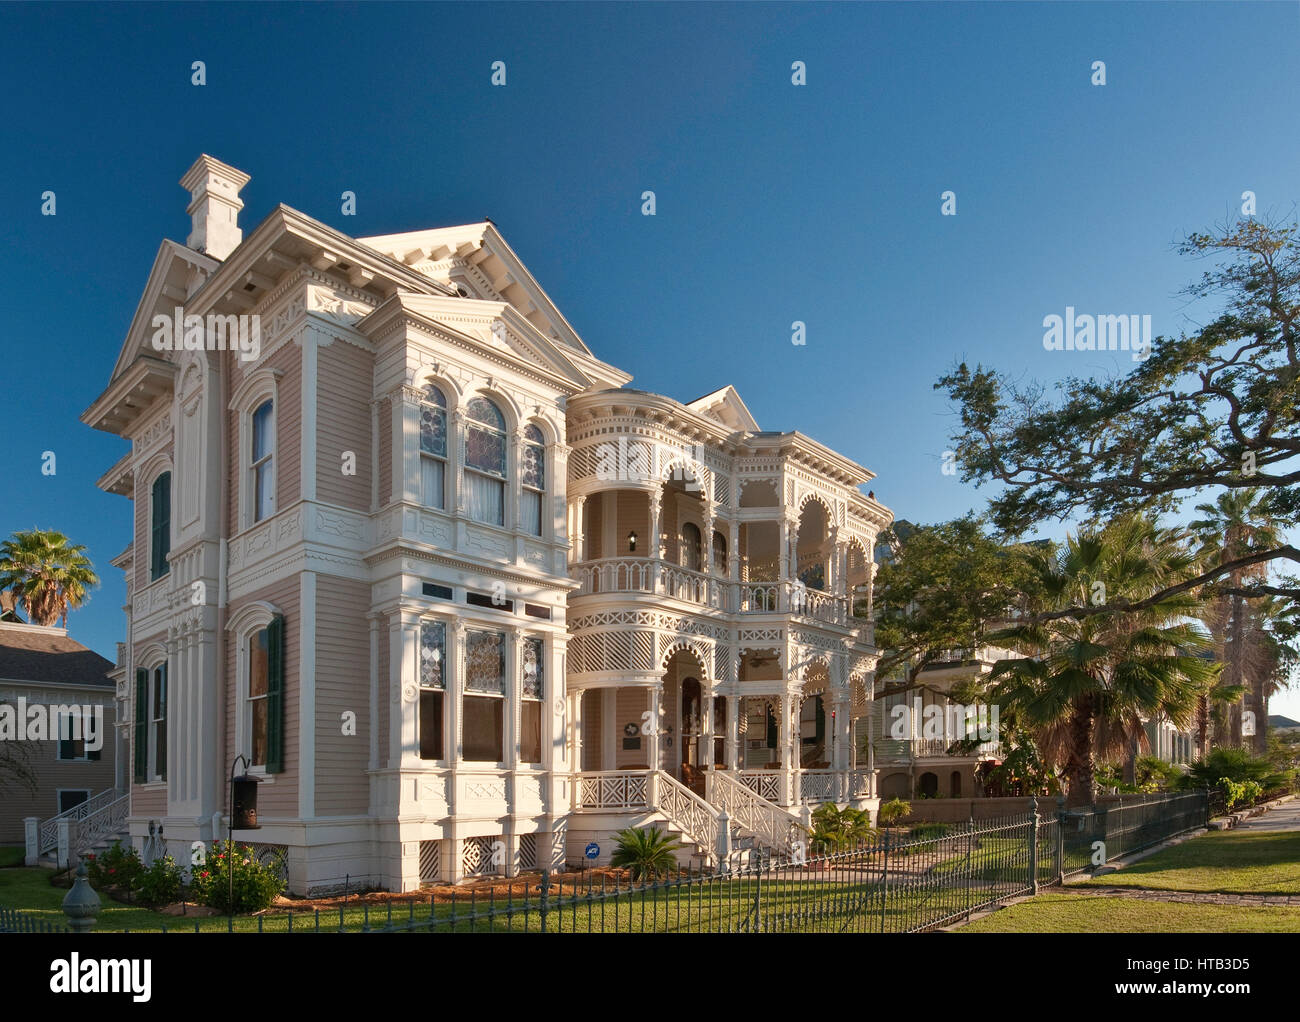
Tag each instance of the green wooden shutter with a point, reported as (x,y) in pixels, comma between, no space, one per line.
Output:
(275,696)
(141,737)
(160,526)
(161,739)
(821,720)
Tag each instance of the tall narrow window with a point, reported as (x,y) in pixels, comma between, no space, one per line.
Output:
(433,447)
(160,526)
(483,704)
(691,546)
(158,722)
(258,676)
(533,691)
(263,462)
(485,462)
(719,553)
(533,481)
(433,687)
(263,711)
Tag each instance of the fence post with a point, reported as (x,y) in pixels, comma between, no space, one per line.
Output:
(65,843)
(970,841)
(81,904)
(1060,839)
(543,901)
(31,840)
(1033,844)
(884,880)
(1099,835)
(724,841)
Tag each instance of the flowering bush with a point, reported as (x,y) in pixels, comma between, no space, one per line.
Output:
(117,867)
(160,883)
(255,883)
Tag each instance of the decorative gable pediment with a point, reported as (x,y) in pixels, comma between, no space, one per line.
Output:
(726,407)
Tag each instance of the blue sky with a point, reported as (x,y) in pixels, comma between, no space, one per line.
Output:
(775,203)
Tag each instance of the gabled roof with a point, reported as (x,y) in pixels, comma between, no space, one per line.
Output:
(476,324)
(498,273)
(33,653)
(726,406)
(167,287)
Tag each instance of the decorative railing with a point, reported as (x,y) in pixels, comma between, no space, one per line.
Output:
(48,837)
(763,783)
(817,785)
(616,575)
(772,826)
(696,818)
(859,783)
(611,789)
(692,586)
(107,821)
(792,598)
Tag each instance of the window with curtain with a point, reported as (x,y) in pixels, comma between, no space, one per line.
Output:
(533,480)
(433,687)
(433,447)
(483,701)
(160,526)
(485,462)
(263,462)
(533,692)
(691,546)
(259,676)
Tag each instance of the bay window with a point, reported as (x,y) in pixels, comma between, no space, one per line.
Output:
(433,447)
(533,693)
(483,701)
(532,481)
(485,462)
(433,687)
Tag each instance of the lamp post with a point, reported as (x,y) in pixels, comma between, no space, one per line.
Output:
(243,813)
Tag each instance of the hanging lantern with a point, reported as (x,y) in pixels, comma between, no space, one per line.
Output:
(243,803)
(631,541)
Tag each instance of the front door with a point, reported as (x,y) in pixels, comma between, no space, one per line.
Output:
(692,775)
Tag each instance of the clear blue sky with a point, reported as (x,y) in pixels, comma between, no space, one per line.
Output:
(775,203)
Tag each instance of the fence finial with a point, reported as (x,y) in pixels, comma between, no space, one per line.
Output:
(81,904)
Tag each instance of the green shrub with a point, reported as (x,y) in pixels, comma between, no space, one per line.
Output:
(835,829)
(645,851)
(892,811)
(255,883)
(930,831)
(117,867)
(159,883)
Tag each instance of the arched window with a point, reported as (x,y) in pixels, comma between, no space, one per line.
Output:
(485,462)
(691,546)
(533,481)
(433,448)
(160,521)
(719,553)
(263,462)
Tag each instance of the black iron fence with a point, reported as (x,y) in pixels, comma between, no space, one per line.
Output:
(903,882)
(13,921)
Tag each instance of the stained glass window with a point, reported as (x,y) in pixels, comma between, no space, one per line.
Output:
(433,654)
(485,668)
(533,679)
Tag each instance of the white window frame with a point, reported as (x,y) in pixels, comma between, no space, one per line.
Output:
(503,695)
(260,387)
(152,776)
(542,529)
(467,424)
(58,798)
(445,459)
(244,623)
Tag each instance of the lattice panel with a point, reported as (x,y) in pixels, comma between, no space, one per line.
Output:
(476,856)
(430,861)
(721,660)
(582,463)
(643,653)
(528,851)
(721,488)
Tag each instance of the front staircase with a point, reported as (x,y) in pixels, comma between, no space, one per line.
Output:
(91,826)
(725,828)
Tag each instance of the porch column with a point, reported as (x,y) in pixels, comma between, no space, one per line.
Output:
(609,732)
(733,552)
(654,700)
(653,548)
(783,551)
(783,743)
(735,707)
(456,747)
(705,743)
(576,534)
(575,724)
(843,745)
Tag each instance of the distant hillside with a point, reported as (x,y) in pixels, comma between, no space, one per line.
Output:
(1276,720)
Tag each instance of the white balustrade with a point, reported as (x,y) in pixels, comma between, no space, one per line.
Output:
(772,826)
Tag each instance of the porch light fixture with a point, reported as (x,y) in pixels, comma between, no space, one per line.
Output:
(631,541)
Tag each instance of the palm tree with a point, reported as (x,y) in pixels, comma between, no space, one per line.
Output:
(1238,523)
(1087,684)
(47,574)
(645,851)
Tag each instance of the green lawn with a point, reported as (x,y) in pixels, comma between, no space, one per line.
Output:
(1232,862)
(1084,913)
(11,855)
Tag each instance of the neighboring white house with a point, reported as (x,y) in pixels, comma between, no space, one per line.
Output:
(464,600)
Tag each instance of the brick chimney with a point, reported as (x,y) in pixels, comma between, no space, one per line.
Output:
(214,206)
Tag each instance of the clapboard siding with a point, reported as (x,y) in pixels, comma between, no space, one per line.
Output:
(278,799)
(342,685)
(288,434)
(343,424)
